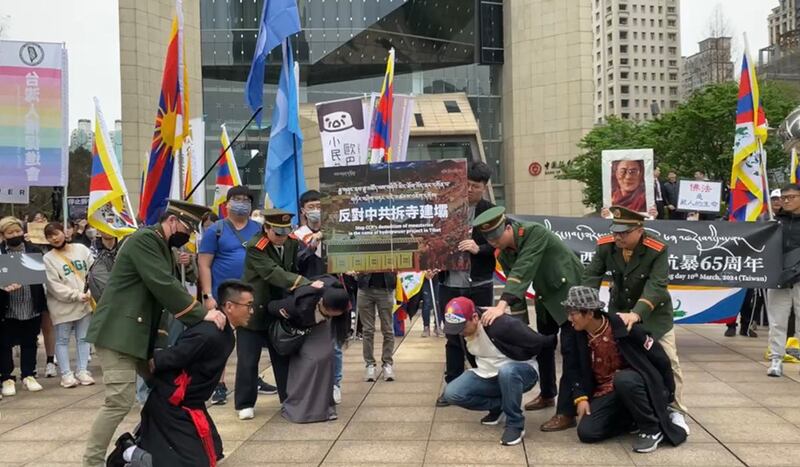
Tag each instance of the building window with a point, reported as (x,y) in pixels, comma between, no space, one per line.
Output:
(670,23)
(673,50)
(624,89)
(673,77)
(623,61)
(623,75)
(623,49)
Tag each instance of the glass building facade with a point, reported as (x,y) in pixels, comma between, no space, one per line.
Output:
(442,46)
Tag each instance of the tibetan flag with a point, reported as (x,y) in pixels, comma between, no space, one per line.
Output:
(749,190)
(794,176)
(227,176)
(109,206)
(171,127)
(379,140)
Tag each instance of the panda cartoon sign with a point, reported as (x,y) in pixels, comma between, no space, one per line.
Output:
(342,132)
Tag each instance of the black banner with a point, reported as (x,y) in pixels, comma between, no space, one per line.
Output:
(717,254)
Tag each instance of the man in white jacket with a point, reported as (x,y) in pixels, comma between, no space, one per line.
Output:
(66,266)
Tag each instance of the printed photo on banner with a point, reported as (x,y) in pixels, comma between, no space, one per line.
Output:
(403,216)
(628,179)
(699,196)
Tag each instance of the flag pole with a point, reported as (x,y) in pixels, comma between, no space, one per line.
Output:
(222,153)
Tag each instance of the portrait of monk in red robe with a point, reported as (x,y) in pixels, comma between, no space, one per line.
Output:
(627,185)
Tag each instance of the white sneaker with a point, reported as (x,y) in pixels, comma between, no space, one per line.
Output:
(85,378)
(388,372)
(31,384)
(68,380)
(50,370)
(369,373)
(677,418)
(337,395)
(9,388)
(247,414)
(775,368)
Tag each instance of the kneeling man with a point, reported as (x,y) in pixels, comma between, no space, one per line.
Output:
(505,353)
(176,428)
(623,379)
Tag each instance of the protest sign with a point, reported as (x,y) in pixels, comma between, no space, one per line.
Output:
(35,231)
(398,216)
(699,196)
(628,179)
(22,269)
(715,254)
(77,207)
(34,140)
(343,133)
(14,195)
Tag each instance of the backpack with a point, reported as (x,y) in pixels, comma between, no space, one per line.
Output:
(100,273)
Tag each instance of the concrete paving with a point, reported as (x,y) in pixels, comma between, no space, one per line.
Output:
(739,416)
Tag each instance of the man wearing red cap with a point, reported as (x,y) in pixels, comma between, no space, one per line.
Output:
(506,368)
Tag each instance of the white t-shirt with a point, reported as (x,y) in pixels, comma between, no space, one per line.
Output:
(488,357)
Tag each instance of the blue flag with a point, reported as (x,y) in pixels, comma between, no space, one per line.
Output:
(279,20)
(284,179)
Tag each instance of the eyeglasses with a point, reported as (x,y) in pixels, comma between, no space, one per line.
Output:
(789,197)
(248,305)
(630,172)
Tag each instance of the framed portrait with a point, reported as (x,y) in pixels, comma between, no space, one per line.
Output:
(628,179)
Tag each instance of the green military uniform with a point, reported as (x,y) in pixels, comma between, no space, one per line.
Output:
(540,259)
(639,285)
(125,325)
(274,276)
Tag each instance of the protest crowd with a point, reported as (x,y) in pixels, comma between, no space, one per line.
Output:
(530,313)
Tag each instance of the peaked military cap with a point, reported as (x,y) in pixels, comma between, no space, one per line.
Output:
(279,220)
(625,219)
(187,212)
(492,222)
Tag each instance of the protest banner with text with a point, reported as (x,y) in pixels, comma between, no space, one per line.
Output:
(402,216)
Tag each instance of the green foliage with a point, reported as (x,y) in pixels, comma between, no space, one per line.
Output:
(698,135)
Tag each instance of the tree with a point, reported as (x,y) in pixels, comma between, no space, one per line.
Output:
(698,135)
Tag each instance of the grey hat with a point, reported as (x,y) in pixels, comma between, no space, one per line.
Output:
(583,298)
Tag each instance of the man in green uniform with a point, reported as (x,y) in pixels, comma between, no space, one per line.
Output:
(271,267)
(638,263)
(124,328)
(530,254)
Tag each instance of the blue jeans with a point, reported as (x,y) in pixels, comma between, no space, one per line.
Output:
(500,393)
(428,299)
(337,364)
(63,333)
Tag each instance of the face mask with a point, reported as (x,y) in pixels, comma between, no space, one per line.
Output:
(91,233)
(14,241)
(239,208)
(314,216)
(178,239)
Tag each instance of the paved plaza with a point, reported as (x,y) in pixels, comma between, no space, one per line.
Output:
(739,417)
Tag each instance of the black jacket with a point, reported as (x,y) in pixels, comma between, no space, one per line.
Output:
(299,308)
(790,224)
(37,290)
(644,355)
(481,264)
(389,277)
(516,340)
(670,193)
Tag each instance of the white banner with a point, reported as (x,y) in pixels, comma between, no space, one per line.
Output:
(699,196)
(14,195)
(343,132)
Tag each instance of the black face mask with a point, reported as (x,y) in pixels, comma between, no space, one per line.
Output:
(178,239)
(15,241)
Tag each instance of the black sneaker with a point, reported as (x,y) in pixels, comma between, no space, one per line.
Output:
(220,396)
(441,401)
(492,418)
(512,436)
(266,388)
(731,331)
(647,443)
